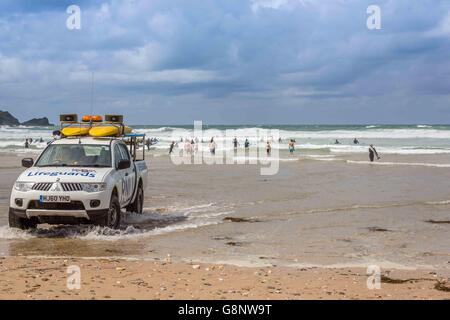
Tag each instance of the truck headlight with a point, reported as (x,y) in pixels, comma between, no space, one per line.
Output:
(23,186)
(93,187)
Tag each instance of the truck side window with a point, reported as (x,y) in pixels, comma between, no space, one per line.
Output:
(117,155)
(124,151)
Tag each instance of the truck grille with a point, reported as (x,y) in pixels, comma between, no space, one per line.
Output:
(42,186)
(68,186)
(73,205)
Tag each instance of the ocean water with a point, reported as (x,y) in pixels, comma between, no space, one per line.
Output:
(337,210)
(320,139)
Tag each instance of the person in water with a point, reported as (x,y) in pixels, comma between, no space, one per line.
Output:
(212,147)
(246,144)
(148,143)
(372,153)
(235,143)
(172,145)
(337,142)
(27,145)
(268,148)
(291,146)
(355,141)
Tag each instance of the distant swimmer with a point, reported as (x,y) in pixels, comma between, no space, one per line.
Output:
(187,146)
(41,140)
(27,145)
(212,146)
(337,142)
(372,153)
(279,140)
(172,145)
(355,141)
(268,148)
(291,146)
(194,145)
(246,144)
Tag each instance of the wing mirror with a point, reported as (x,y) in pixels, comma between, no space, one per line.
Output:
(27,162)
(123,164)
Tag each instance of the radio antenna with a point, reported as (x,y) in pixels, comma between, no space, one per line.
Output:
(92,96)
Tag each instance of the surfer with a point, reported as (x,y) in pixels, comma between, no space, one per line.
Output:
(372,153)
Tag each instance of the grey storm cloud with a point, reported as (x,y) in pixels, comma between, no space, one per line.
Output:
(234,61)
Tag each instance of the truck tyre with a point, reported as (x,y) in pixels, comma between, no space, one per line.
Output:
(138,202)
(112,218)
(20,223)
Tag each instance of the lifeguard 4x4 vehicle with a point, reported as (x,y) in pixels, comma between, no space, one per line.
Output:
(87,176)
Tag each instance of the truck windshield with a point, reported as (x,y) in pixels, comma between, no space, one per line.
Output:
(75,155)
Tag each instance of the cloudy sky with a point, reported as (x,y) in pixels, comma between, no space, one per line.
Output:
(228,61)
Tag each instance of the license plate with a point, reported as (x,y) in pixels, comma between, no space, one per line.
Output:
(54,198)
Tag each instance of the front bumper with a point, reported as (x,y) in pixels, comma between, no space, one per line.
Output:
(44,214)
(79,207)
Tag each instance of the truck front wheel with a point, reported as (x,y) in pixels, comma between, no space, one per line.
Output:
(112,218)
(20,223)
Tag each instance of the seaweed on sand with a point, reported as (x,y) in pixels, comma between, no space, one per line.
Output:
(438,221)
(440,285)
(237,219)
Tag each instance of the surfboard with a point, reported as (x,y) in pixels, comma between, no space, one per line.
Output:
(75,131)
(107,131)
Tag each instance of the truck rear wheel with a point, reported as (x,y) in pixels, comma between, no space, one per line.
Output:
(138,203)
(20,223)
(112,218)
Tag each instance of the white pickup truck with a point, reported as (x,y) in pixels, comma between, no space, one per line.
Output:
(79,180)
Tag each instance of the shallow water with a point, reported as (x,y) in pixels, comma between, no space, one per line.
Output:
(327,213)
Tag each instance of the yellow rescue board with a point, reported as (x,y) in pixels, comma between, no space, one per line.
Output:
(75,131)
(108,131)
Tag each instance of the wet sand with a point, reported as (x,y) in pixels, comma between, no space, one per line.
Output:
(317,225)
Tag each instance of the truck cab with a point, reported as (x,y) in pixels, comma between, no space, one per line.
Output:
(78,180)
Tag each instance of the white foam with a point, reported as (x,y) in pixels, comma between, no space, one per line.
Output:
(12,233)
(419,164)
(147,224)
(443,202)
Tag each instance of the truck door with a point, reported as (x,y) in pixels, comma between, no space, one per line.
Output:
(129,175)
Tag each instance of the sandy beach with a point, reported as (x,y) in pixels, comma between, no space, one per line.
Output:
(225,231)
(39,278)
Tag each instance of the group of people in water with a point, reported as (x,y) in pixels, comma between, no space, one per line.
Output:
(29,141)
(150,141)
(191,146)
